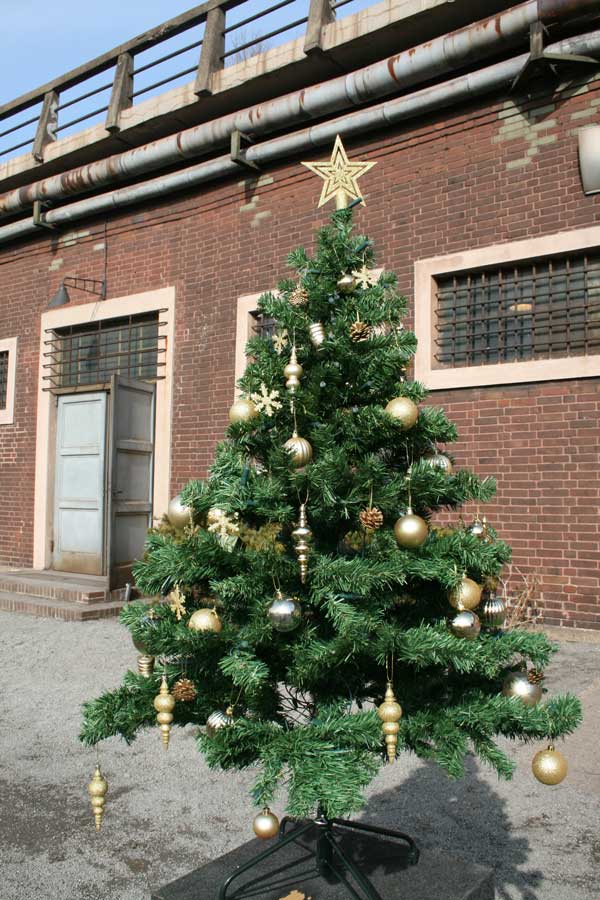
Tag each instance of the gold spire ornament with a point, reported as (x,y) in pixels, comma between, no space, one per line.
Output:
(301,536)
(164,704)
(293,372)
(97,789)
(340,176)
(177,603)
(390,713)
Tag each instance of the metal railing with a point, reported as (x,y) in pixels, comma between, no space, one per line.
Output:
(204,39)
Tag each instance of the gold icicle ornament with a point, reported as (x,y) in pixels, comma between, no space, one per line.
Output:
(97,789)
(293,372)
(302,536)
(390,713)
(164,704)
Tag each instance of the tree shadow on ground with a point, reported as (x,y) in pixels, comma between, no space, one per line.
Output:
(464,819)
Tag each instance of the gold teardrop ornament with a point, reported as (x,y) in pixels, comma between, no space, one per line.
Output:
(97,789)
(164,704)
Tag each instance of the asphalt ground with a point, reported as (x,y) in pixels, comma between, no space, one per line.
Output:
(166,813)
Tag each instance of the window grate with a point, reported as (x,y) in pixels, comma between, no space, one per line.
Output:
(265,327)
(3,378)
(83,355)
(545,309)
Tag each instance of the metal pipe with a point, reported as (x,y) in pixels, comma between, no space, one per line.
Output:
(422,63)
(390,112)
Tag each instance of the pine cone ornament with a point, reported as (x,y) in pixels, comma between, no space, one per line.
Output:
(299,296)
(184,690)
(534,676)
(371,519)
(360,331)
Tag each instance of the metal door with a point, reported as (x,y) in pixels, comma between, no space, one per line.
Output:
(78,544)
(131,433)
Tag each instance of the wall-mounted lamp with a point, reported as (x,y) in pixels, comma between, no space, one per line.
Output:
(89,285)
(589,158)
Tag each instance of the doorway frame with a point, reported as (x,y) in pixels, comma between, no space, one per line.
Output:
(149,301)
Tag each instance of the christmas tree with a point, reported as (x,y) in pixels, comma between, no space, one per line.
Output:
(304,580)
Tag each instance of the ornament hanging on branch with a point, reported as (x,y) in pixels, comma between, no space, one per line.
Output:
(184,690)
(243,410)
(302,536)
(477,528)
(371,519)
(317,334)
(280,341)
(293,372)
(299,296)
(266,401)
(205,620)
(178,514)
(440,461)
(145,662)
(365,278)
(359,331)
(390,713)
(346,283)
(299,449)
(164,704)
(549,766)
(404,411)
(467,595)
(411,531)
(466,625)
(224,526)
(526,686)
(284,613)
(97,789)
(218,720)
(265,825)
(177,603)
(494,611)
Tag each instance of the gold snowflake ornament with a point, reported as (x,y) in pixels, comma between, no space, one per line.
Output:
(177,603)
(280,341)
(266,401)
(365,278)
(340,176)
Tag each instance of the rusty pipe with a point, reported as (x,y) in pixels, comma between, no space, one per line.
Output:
(388,113)
(432,59)
(554,10)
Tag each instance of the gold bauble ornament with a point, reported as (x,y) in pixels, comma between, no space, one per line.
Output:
(164,704)
(549,766)
(293,372)
(178,514)
(346,283)
(243,410)
(440,461)
(467,595)
(403,410)
(493,612)
(302,536)
(284,613)
(97,789)
(218,720)
(205,620)
(518,684)
(317,334)
(299,449)
(411,531)
(390,713)
(265,825)
(465,624)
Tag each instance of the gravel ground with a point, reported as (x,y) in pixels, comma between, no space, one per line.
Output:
(167,814)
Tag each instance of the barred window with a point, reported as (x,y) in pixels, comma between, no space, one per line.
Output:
(542,309)
(264,326)
(90,354)
(3,378)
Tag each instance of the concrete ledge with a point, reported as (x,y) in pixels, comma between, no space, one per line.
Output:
(291,875)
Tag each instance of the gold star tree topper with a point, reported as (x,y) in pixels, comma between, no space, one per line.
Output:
(340,176)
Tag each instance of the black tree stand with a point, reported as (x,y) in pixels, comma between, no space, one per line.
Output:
(331,862)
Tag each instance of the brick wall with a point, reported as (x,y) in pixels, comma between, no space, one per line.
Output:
(485,174)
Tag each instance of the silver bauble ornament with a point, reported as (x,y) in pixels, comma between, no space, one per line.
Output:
(467,595)
(218,720)
(178,514)
(403,410)
(517,684)
(243,410)
(493,612)
(440,461)
(465,625)
(284,613)
(299,449)
(477,528)
(549,766)
(411,531)
(266,825)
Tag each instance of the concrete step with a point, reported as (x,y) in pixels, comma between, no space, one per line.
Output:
(32,605)
(84,589)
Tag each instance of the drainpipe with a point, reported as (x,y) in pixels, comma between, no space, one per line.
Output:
(422,63)
(391,112)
